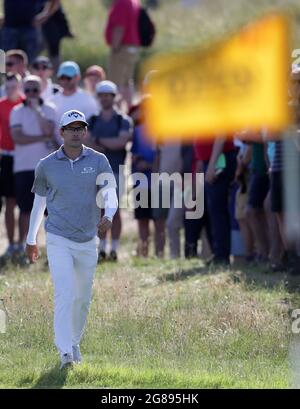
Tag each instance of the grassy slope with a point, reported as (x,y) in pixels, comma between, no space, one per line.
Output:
(154,324)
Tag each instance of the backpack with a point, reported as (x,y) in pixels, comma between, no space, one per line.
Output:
(146,28)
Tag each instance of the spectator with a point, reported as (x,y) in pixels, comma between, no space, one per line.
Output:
(20,25)
(32,126)
(258,189)
(143,154)
(14,97)
(42,67)
(218,179)
(92,76)
(109,133)
(72,96)
(54,30)
(195,228)
(241,200)
(159,213)
(17,62)
(237,245)
(170,162)
(290,260)
(121,34)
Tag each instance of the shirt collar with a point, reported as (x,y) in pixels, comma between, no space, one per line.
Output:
(61,154)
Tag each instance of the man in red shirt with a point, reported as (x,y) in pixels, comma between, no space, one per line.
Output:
(121,34)
(218,177)
(14,96)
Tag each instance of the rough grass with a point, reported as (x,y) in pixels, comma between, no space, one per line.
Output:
(154,324)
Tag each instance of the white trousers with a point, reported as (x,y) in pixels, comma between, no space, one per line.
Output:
(72,266)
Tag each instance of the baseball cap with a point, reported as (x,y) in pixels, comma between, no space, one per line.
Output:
(72,116)
(106,87)
(42,60)
(95,70)
(69,69)
(31,78)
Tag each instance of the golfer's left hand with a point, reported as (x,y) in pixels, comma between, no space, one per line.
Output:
(104,225)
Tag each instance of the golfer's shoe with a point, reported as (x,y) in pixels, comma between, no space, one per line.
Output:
(66,361)
(76,354)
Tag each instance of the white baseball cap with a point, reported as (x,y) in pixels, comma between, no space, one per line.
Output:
(106,87)
(72,116)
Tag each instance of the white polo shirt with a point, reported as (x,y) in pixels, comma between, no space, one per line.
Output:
(27,156)
(80,100)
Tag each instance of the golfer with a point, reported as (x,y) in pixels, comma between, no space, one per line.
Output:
(65,183)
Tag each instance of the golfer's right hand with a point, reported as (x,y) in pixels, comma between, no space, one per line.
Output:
(32,252)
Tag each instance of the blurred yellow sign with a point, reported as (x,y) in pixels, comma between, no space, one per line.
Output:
(239,83)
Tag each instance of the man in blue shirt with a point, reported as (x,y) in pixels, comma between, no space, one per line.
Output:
(109,133)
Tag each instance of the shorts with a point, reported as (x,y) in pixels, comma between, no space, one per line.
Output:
(258,189)
(143,212)
(121,65)
(23,185)
(276,192)
(7,188)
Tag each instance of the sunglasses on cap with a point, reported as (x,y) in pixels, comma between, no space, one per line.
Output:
(31,90)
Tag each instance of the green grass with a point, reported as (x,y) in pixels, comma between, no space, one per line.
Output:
(177,27)
(154,324)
